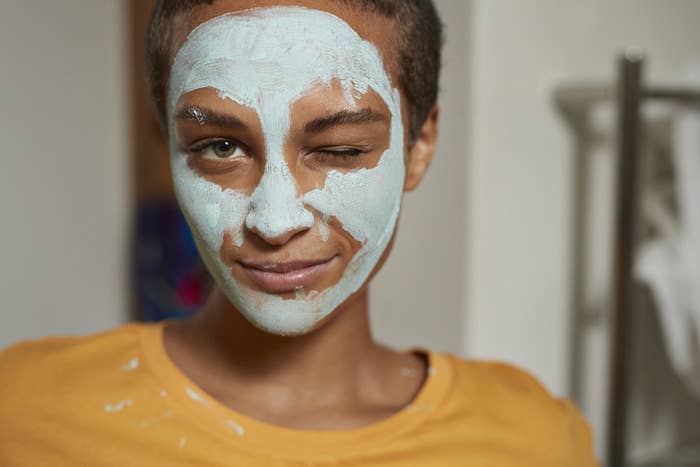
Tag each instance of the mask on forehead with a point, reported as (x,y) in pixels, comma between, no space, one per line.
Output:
(267,59)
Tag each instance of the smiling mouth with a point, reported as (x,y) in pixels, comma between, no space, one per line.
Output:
(287,276)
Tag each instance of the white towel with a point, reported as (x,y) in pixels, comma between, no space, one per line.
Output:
(670,263)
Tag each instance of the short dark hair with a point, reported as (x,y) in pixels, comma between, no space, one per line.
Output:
(419,45)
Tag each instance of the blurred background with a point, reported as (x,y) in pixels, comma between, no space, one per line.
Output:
(505,252)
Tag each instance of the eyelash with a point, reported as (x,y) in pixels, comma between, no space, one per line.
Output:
(344,154)
(341,154)
(210,143)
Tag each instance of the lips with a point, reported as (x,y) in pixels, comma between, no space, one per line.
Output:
(285,277)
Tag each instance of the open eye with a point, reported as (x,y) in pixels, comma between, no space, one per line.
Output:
(225,149)
(219,149)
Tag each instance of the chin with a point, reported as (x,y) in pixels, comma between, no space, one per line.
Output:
(313,324)
(281,325)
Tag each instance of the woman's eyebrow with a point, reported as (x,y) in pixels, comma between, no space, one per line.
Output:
(344,117)
(205,116)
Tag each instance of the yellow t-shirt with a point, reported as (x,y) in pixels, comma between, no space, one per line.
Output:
(116,399)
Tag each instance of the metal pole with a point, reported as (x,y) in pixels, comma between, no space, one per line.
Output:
(628,182)
(689,96)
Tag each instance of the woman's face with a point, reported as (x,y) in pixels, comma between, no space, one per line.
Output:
(287,151)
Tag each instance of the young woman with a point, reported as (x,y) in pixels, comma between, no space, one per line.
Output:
(295,127)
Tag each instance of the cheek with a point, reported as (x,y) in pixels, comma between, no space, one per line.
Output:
(365,202)
(210,210)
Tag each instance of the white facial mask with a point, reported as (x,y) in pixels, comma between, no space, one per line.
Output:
(266,59)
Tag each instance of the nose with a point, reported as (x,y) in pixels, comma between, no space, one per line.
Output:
(279,239)
(276,212)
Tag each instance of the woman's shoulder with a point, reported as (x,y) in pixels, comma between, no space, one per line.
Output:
(496,379)
(51,348)
(503,394)
(502,379)
(493,377)
(42,362)
(64,382)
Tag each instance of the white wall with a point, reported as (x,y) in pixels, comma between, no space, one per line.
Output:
(521,159)
(418,297)
(63,170)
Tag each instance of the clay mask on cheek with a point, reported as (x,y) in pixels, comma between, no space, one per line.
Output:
(266,59)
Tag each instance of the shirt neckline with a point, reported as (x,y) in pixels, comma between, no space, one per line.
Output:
(252,434)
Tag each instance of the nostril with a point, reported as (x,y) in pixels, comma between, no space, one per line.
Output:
(277,238)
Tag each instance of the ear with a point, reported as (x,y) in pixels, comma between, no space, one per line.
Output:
(421,153)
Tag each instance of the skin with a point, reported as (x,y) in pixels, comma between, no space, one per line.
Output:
(335,376)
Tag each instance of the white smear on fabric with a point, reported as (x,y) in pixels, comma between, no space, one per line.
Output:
(118,406)
(235,427)
(163,393)
(183,441)
(432,371)
(427,407)
(266,59)
(151,421)
(131,364)
(194,395)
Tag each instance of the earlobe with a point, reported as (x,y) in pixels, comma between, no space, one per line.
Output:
(421,154)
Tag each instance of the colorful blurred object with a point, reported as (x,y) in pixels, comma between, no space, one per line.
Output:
(171,280)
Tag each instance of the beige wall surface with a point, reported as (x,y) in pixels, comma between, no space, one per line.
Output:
(520,176)
(63,170)
(418,297)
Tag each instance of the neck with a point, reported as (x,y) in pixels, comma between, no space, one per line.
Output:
(336,355)
(306,381)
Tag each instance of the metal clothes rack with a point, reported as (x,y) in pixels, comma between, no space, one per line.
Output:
(631,94)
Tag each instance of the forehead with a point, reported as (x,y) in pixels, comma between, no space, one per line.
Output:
(372,27)
(277,54)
